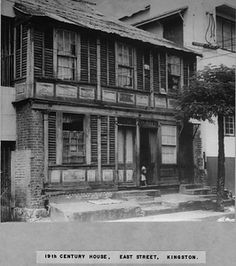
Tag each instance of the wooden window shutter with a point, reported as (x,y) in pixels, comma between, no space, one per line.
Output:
(156,86)
(163,70)
(139,69)
(84,58)
(104,138)
(94,138)
(93,59)
(104,62)
(24,50)
(112,140)
(21,50)
(111,62)
(48,53)
(186,73)
(52,138)
(38,53)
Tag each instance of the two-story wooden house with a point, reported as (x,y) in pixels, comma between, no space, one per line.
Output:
(93,101)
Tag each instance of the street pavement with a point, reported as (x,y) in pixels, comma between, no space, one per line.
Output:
(194,216)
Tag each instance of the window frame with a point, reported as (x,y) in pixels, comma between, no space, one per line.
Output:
(168,145)
(171,76)
(231,125)
(120,65)
(71,144)
(75,57)
(222,21)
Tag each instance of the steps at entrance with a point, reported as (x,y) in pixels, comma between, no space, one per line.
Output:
(127,194)
(194,189)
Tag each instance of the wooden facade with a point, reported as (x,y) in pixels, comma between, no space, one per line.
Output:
(107,104)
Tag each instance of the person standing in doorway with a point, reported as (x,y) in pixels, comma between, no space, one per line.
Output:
(143,181)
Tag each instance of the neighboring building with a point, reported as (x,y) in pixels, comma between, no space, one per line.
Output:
(208,27)
(91,102)
(7,112)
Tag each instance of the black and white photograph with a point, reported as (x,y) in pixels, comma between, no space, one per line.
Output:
(117,113)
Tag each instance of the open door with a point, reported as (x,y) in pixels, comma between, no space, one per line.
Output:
(148,153)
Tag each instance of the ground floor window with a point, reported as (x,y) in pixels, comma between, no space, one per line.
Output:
(73,138)
(168,141)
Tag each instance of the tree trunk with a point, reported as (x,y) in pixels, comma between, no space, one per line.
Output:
(221,165)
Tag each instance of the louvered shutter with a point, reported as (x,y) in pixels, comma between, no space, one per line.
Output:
(94,138)
(112,140)
(18,51)
(104,62)
(24,50)
(155,72)
(48,53)
(52,138)
(163,70)
(38,53)
(186,73)
(111,62)
(93,59)
(104,138)
(84,58)
(139,69)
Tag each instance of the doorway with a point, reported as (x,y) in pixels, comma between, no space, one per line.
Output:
(148,153)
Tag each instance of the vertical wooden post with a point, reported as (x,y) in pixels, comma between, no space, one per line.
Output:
(99,94)
(30,64)
(158,153)
(99,150)
(45,136)
(138,152)
(87,138)
(59,137)
(116,152)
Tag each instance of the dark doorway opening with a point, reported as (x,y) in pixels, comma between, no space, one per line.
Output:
(148,153)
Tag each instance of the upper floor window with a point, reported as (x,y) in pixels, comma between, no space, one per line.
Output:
(225,30)
(66,55)
(229,126)
(125,68)
(7,51)
(174,72)
(146,66)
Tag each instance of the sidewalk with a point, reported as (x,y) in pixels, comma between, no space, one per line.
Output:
(127,204)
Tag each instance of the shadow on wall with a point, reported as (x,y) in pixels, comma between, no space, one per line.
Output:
(229,172)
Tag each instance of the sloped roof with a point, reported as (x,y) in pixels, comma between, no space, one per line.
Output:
(83,14)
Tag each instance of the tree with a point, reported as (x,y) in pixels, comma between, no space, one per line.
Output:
(211,93)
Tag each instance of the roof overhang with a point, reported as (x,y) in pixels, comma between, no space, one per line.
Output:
(96,22)
(226,10)
(165,15)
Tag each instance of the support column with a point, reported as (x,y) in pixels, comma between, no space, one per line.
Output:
(137,152)
(116,152)
(45,136)
(99,150)
(99,94)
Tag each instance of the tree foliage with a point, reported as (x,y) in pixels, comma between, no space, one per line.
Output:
(210,93)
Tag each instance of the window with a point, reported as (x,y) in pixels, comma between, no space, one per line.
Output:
(125,66)
(225,33)
(73,139)
(169,150)
(229,126)
(174,73)
(66,55)
(7,51)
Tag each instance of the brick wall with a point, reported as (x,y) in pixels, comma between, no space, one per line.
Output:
(30,137)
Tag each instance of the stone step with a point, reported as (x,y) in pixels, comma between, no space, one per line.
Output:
(136,193)
(197,191)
